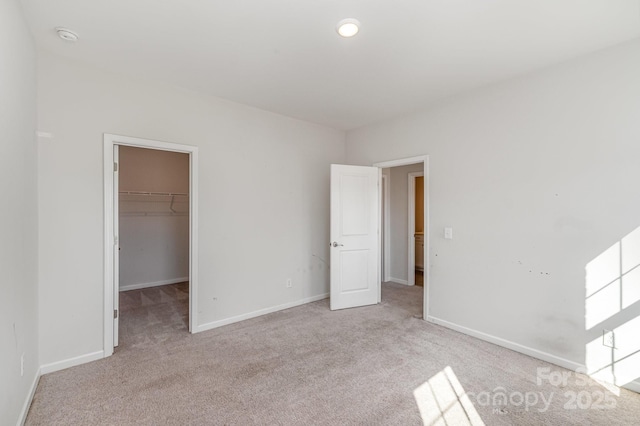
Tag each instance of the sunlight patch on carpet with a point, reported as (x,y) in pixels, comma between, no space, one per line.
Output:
(442,401)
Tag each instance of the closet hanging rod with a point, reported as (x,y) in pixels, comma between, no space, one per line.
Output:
(164,194)
(131,214)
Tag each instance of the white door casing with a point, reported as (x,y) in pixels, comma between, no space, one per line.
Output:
(355,220)
(111,290)
(116,246)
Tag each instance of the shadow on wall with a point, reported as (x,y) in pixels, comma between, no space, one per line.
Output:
(612,312)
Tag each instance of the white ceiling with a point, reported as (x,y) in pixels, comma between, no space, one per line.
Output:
(285,56)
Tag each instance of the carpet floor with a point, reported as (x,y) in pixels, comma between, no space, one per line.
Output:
(375,365)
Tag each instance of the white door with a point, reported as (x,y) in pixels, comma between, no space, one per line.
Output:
(116,247)
(354,236)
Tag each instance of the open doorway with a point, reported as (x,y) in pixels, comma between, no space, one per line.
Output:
(404,225)
(358,214)
(404,219)
(415,231)
(153,230)
(151,260)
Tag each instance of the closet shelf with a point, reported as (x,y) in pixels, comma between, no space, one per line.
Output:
(158,194)
(146,203)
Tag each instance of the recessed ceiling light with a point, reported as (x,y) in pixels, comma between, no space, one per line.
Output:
(348,27)
(66,34)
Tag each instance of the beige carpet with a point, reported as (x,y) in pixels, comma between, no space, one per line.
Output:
(308,365)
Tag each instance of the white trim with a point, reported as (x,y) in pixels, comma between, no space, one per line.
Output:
(29,399)
(108,247)
(398,281)
(153,284)
(116,245)
(401,162)
(109,141)
(380,247)
(386,229)
(526,350)
(427,240)
(71,362)
(193,238)
(424,159)
(411,221)
(544,356)
(254,314)
(633,386)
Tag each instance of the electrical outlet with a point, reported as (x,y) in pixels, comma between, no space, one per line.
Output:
(289,284)
(22,365)
(608,338)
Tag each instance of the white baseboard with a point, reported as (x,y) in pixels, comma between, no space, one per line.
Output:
(534,353)
(544,356)
(238,318)
(27,401)
(153,284)
(633,386)
(398,281)
(71,362)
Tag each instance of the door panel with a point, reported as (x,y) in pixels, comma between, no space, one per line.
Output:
(353,265)
(354,236)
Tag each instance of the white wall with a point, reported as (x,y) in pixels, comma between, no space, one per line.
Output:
(154,241)
(249,246)
(399,220)
(537,176)
(18,216)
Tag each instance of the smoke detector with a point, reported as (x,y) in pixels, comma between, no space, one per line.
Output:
(66,34)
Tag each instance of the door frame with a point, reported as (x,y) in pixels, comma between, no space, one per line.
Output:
(411,221)
(427,231)
(109,232)
(386,223)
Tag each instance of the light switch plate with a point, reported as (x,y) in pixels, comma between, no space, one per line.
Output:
(448,233)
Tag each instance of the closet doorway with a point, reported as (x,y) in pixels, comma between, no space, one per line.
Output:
(150,245)
(153,230)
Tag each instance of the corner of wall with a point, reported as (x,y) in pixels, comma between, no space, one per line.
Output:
(29,399)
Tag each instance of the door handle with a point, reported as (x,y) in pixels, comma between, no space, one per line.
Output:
(336,244)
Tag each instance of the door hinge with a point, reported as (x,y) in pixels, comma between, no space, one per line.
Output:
(115,313)
(115,240)
(115,167)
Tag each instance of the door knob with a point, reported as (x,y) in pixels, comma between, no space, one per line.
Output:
(335,244)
